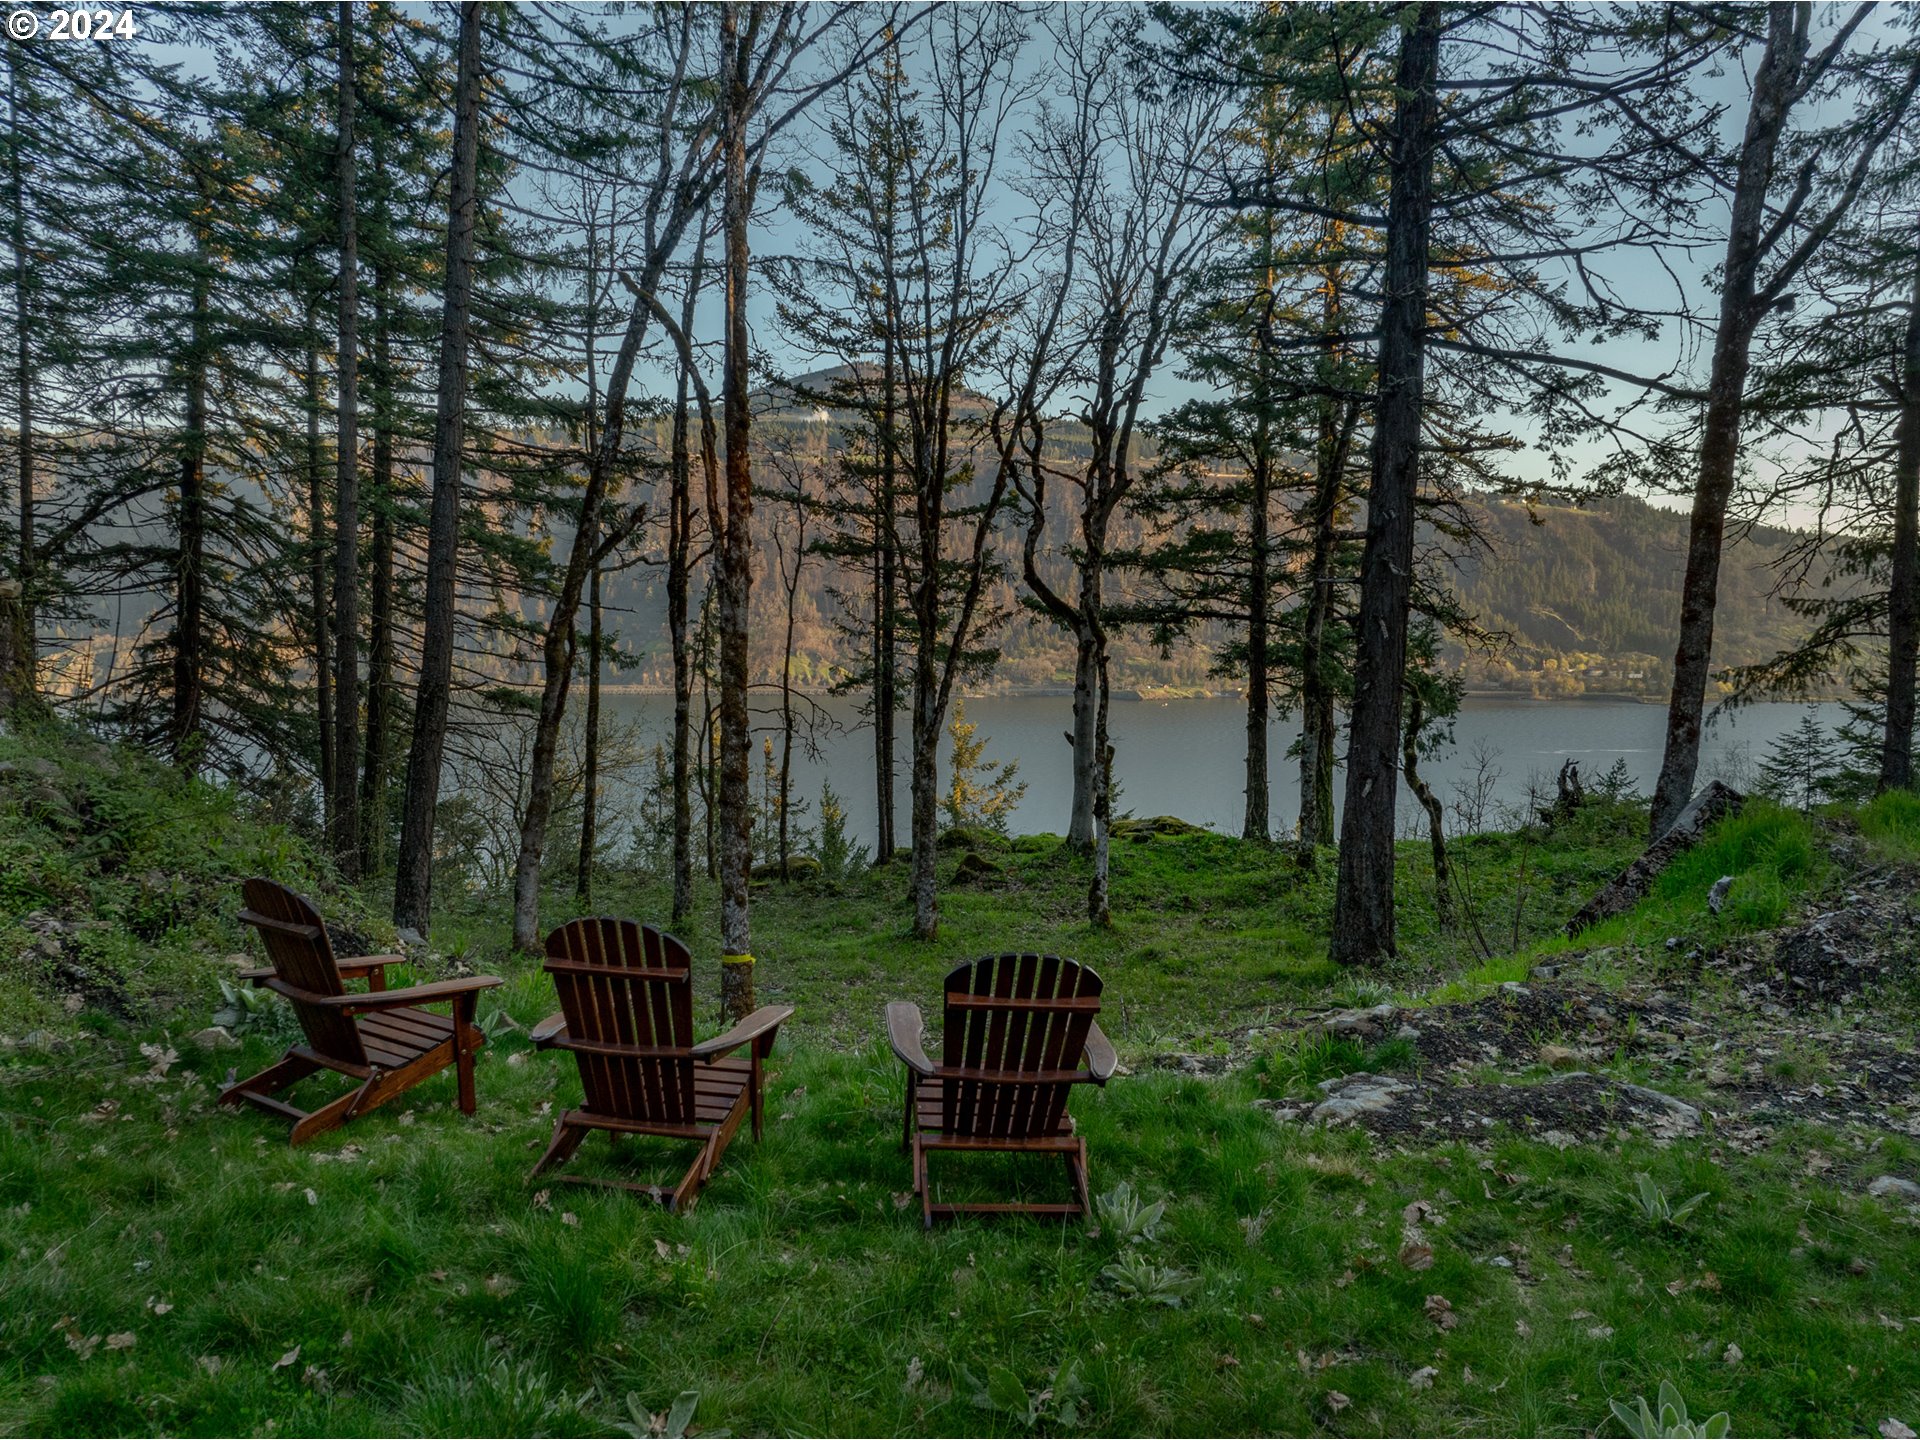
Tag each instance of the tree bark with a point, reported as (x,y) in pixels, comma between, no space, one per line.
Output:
(413,882)
(1363,903)
(679,566)
(1317,692)
(379,748)
(1255,824)
(1773,94)
(1903,599)
(590,779)
(1429,802)
(25,657)
(886,693)
(189,656)
(321,606)
(735,549)
(343,816)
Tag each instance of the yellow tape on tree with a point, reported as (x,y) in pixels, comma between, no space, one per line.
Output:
(736,960)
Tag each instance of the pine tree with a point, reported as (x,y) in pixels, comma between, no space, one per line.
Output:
(980,792)
(1800,768)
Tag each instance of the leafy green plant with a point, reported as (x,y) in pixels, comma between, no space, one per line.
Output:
(1061,1403)
(669,1425)
(244,1009)
(1138,1278)
(1127,1216)
(1654,1205)
(1671,1420)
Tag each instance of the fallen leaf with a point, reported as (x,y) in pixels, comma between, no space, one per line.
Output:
(1733,1355)
(1892,1429)
(1417,1211)
(121,1340)
(1337,1402)
(1599,1332)
(543,1200)
(286,1359)
(1440,1311)
(662,1249)
(1422,1378)
(212,1364)
(1416,1257)
(1522,1329)
(1346,1279)
(1227,1362)
(312,1199)
(567,1217)
(902,1199)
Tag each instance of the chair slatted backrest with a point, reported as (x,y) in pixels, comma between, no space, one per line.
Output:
(1020,1017)
(302,956)
(622,983)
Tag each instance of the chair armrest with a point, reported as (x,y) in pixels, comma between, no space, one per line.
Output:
(764,1021)
(437,992)
(903,1034)
(354,966)
(359,967)
(553,1028)
(1102,1061)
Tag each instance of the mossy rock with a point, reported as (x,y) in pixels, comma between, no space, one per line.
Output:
(799,867)
(970,837)
(1035,844)
(974,868)
(1140,830)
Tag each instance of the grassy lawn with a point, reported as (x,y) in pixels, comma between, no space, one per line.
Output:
(171,1267)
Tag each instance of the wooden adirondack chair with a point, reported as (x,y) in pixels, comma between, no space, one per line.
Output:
(378,1036)
(626,1013)
(1015,1033)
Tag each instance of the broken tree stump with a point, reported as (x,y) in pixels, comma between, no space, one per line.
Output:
(1631,885)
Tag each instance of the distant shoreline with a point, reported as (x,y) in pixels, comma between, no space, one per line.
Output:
(1169,694)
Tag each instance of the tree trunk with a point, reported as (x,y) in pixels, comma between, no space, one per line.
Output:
(1726,395)
(1086,720)
(1429,802)
(679,548)
(735,552)
(189,657)
(924,786)
(886,694)
(590,780)
(413,884)
(1363,903)
(374,778)
(25,624)
(1255,825)
(343,816)
(1317,718)
(1903,599)
(1099,895)
(321,598)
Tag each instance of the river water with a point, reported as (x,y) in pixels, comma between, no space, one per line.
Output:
(1187,757)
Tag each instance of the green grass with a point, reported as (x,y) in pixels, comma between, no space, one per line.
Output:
(427,1288)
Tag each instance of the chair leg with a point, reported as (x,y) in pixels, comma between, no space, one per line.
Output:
(330,1116)
(906,1115)
(566,1140)
(463,1051)
(289,1069)
(922,1184)
(1077,1173)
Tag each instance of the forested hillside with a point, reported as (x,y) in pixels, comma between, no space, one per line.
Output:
(1583,599)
